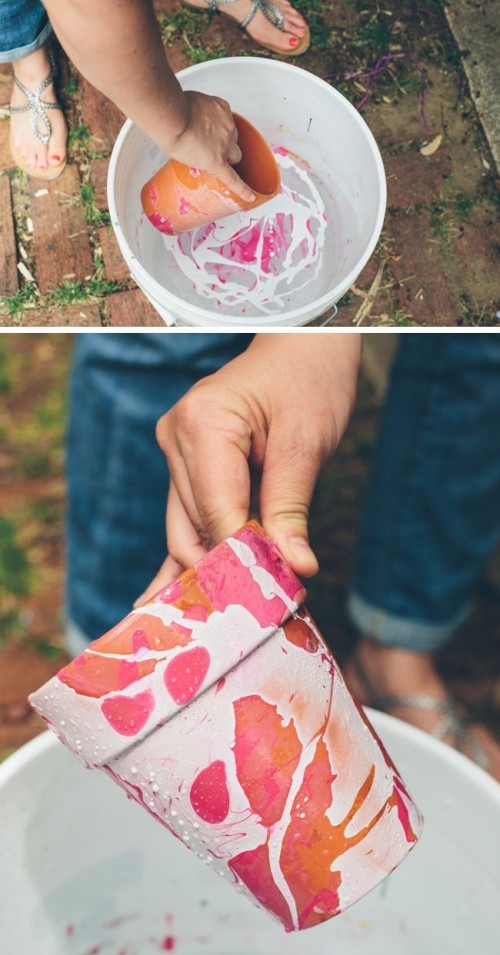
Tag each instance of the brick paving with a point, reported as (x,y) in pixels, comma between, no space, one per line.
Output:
(59,259)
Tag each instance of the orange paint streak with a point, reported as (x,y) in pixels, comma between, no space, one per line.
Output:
(92,675)
(266,755)
(298,632)
(312,844)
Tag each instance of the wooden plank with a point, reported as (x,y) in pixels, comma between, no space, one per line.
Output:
(115,266)
(81,315)
(132,309)
(62,246)
(103,118)
(9,276)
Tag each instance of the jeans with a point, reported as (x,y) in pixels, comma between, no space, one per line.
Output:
(432,512)
(117,476)
(431,515)
(24,27)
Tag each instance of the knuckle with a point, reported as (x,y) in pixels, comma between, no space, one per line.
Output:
(189,414)
(163,432)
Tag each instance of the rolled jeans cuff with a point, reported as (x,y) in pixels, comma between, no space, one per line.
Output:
(8,56)
(393,631)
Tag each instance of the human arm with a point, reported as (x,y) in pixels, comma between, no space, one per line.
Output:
(281,407)
(117,46)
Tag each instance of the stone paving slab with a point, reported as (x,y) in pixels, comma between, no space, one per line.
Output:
(475,24)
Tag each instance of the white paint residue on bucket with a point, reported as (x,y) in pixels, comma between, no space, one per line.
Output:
(254,262)
(301,114)
(84,870)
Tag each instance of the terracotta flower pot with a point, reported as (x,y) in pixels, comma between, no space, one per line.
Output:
(218,708)
(179,197)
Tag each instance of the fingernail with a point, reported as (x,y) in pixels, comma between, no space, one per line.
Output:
(301,551)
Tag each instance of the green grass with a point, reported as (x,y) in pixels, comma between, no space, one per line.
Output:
(401,320)
(6,378)
(440,222)
(93,216)
(71,291)
(78,136)
(14,566)
(200,54)
(70,88)
(375,35)
(464,206)
(474,316)
(15,305)
(321,31)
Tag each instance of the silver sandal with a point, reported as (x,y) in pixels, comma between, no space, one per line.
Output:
(37,107)
(451,723)
(271,13)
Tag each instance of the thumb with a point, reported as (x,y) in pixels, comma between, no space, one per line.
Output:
(287,487)
(230,177)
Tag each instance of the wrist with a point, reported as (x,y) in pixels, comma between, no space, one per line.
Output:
(171,122)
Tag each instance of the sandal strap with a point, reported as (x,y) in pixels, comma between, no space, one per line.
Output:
(451,722)
(36,106)
(270,11)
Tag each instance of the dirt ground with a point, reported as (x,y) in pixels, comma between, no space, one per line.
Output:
(33,378)
(437,260)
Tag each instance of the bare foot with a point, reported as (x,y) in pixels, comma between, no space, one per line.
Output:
(261,29)
(31,71)
(397,672)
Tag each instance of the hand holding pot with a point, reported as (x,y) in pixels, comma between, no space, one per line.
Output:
(209,141)
(253,410)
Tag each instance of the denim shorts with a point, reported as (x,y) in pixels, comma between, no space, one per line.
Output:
(24,27)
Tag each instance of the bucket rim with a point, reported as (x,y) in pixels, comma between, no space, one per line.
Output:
(321,304)
(46,741)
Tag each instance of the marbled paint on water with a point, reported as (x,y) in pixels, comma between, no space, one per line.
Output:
(256,261)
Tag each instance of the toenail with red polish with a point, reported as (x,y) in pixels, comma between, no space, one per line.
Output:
(293,41)
(56,157)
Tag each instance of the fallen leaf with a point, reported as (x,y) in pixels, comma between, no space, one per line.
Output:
(430,148)
(26,274)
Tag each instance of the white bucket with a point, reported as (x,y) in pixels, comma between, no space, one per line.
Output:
(83,870)
(293,109)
